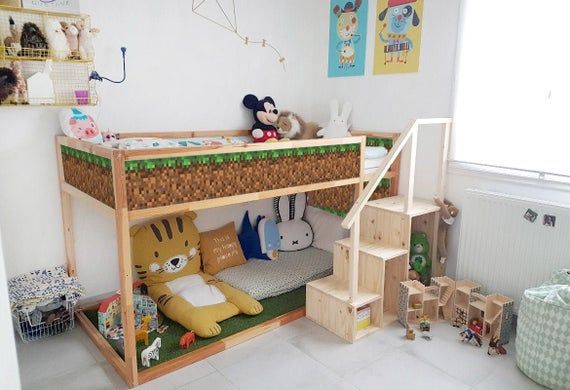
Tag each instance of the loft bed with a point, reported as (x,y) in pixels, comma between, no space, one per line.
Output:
(131,186)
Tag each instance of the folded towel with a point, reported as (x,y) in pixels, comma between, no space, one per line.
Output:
(372,152)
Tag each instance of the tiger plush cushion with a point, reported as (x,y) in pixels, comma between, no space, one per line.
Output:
(166,256)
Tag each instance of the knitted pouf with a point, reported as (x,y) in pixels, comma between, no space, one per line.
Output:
(543,332)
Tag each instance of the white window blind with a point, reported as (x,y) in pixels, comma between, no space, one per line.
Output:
(512,98)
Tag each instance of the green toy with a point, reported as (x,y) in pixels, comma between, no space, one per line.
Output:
(420,260)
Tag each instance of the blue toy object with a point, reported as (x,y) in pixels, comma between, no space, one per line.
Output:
(268,237)
(263,245)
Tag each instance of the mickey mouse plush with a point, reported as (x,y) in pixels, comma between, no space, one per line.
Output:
(265,115)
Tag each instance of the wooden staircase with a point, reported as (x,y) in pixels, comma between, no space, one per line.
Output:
(369,266)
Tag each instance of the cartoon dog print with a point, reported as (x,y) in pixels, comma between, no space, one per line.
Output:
(346,29)
(400,15)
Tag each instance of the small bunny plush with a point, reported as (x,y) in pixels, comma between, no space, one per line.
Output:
(86,49)
(57,40)
(338,126)
(294,232)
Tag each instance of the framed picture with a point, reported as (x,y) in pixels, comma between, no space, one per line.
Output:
(67,6)
(398,36)
(347,37)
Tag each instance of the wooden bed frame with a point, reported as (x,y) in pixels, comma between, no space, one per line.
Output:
(128,186)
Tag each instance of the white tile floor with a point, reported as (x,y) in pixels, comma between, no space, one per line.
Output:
(298,355)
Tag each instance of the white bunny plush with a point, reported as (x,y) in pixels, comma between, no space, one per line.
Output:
(338,126)
(86,49)
(295,233)
(57,40)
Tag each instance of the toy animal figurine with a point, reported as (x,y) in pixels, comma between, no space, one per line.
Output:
(292,126)
(496,347)
(187,339)
(410,334)
(33,42)
(141,333)
(57,40)
(425,327)
(72,35)
(468,335)
(8,83)
(400,15)
(338,125)
(296,234)
(151,352)
(12,43)
(265,115)
(346,29)
(86,50)
(420,260)
(21,92)
(447,212)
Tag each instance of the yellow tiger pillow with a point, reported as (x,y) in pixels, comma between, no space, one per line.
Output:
(166,256)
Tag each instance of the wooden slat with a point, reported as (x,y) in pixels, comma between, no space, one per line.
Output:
(353,263)
(103,345)
(125,267)
(218,202)
(219,346)
(443,162)
(411,170)
(66,216)
(78,194)
(87,147)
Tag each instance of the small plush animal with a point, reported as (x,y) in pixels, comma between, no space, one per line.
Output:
(292,126)
(338,125)
(265,115)
(152,352)
(8,83)
(496,347)
(72,35)
(447,212)
(20,94)
(187,339)
(86,49)
(57,40)
(295,233)
(33,42)
(12,43)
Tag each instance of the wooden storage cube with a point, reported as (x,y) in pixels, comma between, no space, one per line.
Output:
(428,224)
(337,316)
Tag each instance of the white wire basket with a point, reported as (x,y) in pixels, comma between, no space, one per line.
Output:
(49,321)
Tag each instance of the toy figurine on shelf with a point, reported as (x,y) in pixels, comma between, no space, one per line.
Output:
(469,336)
(496,347)
(425,327)
(410,334)
(187,339)
(141,333)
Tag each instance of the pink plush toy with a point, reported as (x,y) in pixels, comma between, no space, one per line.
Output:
(76,124)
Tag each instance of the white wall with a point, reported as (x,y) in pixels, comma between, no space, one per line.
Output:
(184,73)
(9,368)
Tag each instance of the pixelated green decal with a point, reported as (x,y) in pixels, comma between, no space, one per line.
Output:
(373,141)
(343,213)
(208,159)
(88,157)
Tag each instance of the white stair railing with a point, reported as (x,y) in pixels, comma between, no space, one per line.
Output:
(352,219)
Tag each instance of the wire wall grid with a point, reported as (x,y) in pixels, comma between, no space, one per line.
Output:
(70,69)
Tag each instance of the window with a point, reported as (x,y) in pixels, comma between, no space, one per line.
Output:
(512,98)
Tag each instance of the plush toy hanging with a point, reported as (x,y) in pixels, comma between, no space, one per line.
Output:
(76,124)
(265,115)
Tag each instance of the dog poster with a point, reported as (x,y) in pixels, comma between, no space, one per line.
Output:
(398,36)
(347,37)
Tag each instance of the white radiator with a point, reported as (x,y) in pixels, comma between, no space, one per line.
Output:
(503,251)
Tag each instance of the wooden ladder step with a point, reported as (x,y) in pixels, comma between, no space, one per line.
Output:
(396,204)
(380,251)
(339,290)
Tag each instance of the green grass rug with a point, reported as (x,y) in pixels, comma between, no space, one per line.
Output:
(272,308)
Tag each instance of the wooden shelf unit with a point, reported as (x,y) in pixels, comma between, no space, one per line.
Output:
(104,178)
(412,294)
